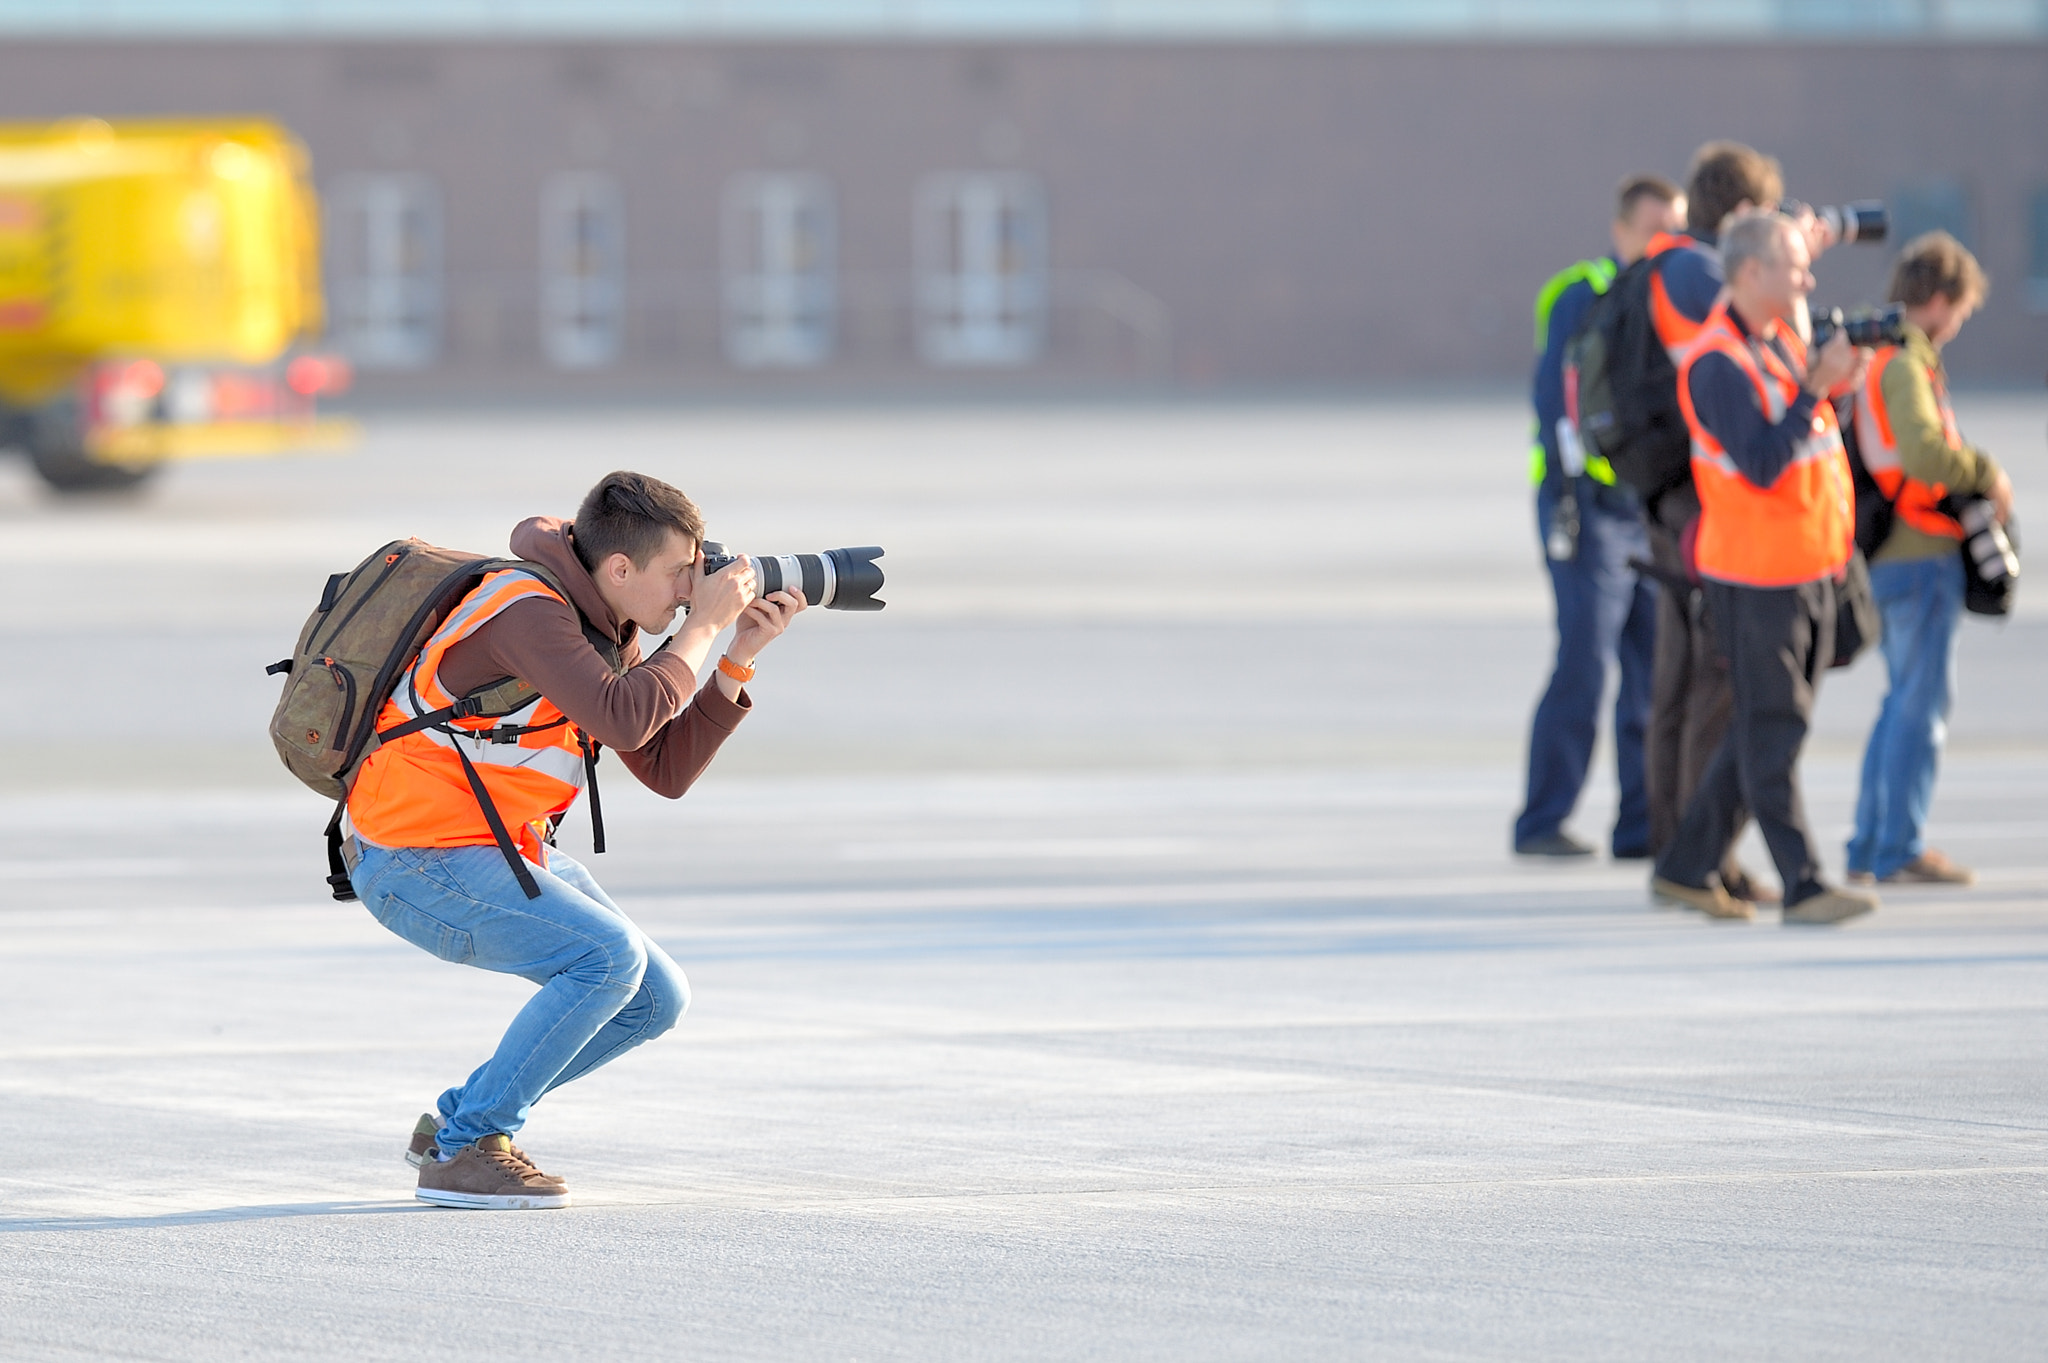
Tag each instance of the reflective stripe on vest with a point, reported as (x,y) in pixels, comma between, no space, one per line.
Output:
(1600,274)
(412,792)
(1799,529)
(1913,500)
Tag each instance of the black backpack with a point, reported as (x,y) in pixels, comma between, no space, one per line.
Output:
(1875,512)
(1626,388)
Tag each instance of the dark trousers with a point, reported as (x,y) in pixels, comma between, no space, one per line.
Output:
(1777,641)
(1605,614)
(1689,698)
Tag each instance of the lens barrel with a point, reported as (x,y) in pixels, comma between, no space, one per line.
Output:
(838,579)
(1865,221)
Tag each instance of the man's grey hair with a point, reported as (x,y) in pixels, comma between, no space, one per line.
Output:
(1753,234)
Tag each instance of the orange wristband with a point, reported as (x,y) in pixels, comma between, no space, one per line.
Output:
(734,670)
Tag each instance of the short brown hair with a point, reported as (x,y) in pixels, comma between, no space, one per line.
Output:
(1637,188)
(1936,264)
(631,514)
(1723,174)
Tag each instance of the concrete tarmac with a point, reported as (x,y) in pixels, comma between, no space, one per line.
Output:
(1110,951)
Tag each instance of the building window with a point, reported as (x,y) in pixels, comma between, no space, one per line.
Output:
(1930,204)
(981,269)
(2037,251)
(384,246)
(582,270)
(781,270)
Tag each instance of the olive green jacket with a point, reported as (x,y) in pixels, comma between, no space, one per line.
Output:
(1924,451)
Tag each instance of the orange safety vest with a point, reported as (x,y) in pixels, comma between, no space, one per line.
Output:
(1802,527)
(1674,328)
(413,791)
(1913,500)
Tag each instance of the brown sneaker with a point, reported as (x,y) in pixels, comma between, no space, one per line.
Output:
(1713,901)
(1829,906)
(422,1147)
(1861,878)
(487,1176)
(1932,867)
(426,1131)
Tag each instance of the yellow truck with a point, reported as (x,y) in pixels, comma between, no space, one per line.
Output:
(156,281)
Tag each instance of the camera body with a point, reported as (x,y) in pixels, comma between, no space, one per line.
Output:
(838,579)
(1865,327)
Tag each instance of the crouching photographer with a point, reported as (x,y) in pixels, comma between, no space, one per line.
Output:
(1920,473)
(466,701)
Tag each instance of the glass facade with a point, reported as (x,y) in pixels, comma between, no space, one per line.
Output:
(982,284)
(2037,250)
(384,267)
(780,260)
(583,269)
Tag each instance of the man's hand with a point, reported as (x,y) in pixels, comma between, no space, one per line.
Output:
(2001,497)
(1819,236)
(716,601)
(1838,363)
(762,622)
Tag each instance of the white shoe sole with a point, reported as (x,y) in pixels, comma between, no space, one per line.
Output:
(493,1202)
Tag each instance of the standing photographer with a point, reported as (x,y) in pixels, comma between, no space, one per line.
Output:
(1906,434)
(1776,527)
(1590,526)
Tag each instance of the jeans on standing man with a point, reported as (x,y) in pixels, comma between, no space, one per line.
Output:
(1605,614)
(1921,601)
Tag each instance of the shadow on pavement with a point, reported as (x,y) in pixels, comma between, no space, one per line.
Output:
(207,1216)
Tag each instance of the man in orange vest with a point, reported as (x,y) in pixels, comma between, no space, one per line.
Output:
(1775,531)
(450,827)
(1690,701)
(1907,436)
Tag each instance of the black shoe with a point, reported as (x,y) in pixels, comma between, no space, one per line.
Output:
(1632,854)
(1553,845)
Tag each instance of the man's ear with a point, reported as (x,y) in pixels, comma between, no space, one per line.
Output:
(616,567)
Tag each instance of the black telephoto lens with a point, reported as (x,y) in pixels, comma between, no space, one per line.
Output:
(1865,221)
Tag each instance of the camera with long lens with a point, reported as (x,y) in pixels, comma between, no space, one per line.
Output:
(1865,327)
(1865,220)
(838,579)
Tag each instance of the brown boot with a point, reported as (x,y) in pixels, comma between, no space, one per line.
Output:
(1830,907)
(487,1176)
(1711,900)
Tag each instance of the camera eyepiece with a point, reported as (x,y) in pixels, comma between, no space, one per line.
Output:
(838,579)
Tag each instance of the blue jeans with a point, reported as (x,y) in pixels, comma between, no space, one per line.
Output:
(1921,600)
(604,987)
(1605,613)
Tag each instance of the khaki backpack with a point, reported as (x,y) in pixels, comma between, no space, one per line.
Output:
(368,628)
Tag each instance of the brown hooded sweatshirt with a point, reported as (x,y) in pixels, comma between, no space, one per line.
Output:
(663,734)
